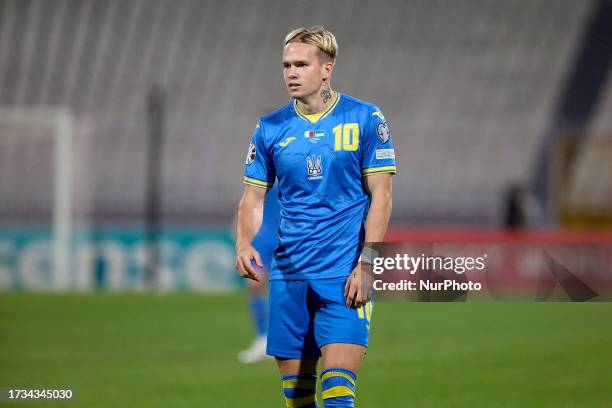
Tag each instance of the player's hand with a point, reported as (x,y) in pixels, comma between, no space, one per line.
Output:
(244,256)
(358,288)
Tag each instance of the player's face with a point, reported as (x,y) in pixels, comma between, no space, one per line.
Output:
(303,70)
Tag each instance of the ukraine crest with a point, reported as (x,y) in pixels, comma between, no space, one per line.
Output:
(315,168)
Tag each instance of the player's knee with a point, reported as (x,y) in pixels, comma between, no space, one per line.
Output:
(300,390)
(338,388)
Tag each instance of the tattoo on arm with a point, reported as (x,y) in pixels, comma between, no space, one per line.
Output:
(326,94)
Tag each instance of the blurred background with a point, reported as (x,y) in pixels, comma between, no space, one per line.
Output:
(124,125)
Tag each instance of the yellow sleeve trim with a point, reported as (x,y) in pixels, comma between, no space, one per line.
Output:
(383,169)
(257,183)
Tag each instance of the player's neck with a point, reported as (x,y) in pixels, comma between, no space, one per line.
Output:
(317,102)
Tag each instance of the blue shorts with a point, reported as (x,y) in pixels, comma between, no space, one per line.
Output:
(305,315)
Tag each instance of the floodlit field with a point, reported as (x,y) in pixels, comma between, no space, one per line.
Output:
(179,351)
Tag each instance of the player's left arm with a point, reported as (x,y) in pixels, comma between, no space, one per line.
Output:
(358,288)
(380,188)
(377,160)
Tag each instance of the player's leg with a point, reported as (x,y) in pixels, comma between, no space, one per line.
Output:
(343,335)
(299,380)
(258,304)
(291,341)
(344,355)
(340,364)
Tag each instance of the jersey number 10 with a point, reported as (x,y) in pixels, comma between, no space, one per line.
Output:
(346,136)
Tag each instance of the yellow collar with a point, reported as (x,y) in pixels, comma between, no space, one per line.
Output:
(315,117)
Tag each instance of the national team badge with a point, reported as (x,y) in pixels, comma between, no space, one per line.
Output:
(251,154)
(383,132)
(315,168)
(314,135)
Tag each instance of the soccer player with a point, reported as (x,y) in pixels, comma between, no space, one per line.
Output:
(333,158)
(265,243)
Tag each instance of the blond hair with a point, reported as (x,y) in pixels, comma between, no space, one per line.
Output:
(318,36)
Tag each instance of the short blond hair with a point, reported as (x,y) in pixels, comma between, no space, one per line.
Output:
(318,36)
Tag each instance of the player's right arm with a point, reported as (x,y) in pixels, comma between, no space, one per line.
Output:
(249,217)
(259,176)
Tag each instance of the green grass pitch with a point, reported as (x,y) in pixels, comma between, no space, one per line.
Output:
(179,351)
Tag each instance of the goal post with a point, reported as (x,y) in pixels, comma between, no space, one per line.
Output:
(56,122)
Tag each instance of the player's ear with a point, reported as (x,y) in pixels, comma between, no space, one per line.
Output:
(328,67)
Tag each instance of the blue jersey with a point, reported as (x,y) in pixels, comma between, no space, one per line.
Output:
(320,164)
(266,240)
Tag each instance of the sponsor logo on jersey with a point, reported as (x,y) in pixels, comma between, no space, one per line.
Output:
(385,154)
(251,154)
(314,135)
(315,168)
(286,141)
(383,132)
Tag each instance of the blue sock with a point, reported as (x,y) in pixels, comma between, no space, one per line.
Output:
(259,310)
(338,388)
(300,390)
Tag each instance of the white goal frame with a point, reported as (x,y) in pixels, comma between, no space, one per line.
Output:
(61,119)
